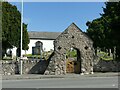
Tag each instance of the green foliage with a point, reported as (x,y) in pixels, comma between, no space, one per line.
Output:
(72,53)
(111,12)
(32,56)
(10,25)
(25,38)
(0,22)
(104,56)
(11,28)
(104,31)
(45,55)
(96,32)
(7,58)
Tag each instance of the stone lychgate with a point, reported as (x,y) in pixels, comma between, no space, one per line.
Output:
(72,37)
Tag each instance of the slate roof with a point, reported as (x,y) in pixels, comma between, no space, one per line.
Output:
(43,35)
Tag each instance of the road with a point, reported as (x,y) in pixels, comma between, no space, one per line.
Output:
(76,82)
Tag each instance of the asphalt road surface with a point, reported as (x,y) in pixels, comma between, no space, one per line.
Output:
(77,82)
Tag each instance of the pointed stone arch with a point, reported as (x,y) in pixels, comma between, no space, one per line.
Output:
(72,37)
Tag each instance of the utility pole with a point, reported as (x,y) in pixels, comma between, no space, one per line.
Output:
(21,62)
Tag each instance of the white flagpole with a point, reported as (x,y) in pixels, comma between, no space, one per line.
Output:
(21,38)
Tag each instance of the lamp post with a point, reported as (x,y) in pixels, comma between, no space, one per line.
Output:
(21,62)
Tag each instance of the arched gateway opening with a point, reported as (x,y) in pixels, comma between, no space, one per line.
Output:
(74,38)
(73,61)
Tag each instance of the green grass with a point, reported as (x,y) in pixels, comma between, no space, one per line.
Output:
(32,56)
(104,56)
(45,55)
(7,58)
(72,53)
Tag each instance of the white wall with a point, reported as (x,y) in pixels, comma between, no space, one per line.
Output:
(13,51)
(47,45)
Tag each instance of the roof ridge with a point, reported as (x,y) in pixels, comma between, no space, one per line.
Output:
(45,31)
(43,35)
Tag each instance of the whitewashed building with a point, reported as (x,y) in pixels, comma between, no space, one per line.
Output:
(46,38)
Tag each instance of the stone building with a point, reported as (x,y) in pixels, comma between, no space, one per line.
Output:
(72,37)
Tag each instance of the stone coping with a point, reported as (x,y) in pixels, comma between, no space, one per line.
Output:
(24,61)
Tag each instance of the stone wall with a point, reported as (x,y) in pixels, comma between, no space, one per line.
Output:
(39,67)
(50,70)
(9,68)
(72,37)
(106,66)
(29,67)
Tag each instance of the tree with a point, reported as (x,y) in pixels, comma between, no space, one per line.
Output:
(112,15)
(0,30)
(105,30)
(11,28)
(25,38)
(96,32)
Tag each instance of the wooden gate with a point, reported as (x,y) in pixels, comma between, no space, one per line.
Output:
(72,66)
